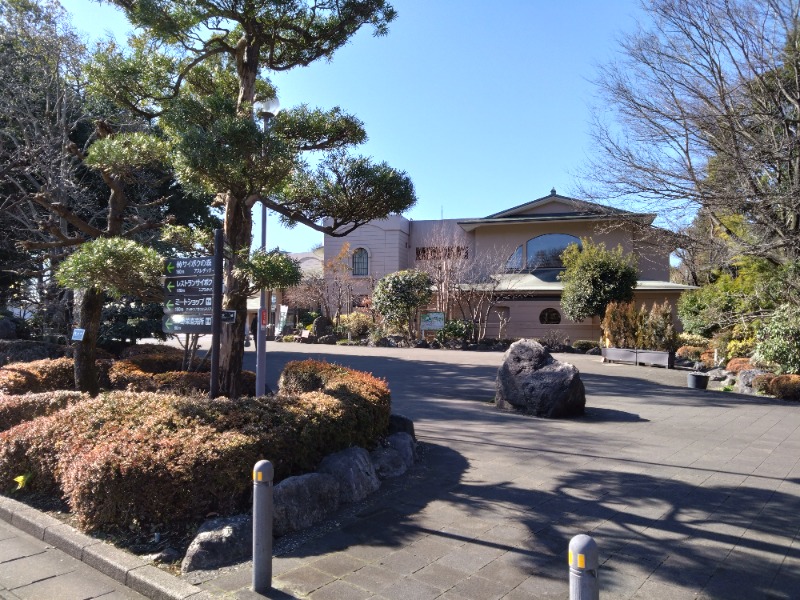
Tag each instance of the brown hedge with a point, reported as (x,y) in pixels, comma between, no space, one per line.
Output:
(145,459)
(16,409)
(786,387)
(38,376)
(738,364)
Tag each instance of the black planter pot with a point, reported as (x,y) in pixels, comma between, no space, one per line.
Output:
(697,381)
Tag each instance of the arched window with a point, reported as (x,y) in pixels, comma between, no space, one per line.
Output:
(544,251)
(360,262)
(550,316)
(514,262)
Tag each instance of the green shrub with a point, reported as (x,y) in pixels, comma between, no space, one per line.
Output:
(16,409)
(456,330)
(779,340)
(692,339)
(356,324)
(786,387)
(583,346)
(128,459)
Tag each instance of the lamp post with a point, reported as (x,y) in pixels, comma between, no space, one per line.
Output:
(266,110)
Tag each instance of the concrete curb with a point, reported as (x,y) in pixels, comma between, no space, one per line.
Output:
(121,566)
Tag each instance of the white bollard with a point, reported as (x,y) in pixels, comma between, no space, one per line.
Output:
(262,526)
(584,562)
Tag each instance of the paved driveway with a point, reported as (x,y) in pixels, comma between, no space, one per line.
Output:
(689,494)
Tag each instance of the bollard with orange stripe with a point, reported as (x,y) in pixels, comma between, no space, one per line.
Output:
(263,473)
(584,562)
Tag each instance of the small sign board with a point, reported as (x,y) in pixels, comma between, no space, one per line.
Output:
(201,265)
(188,286)
(187,304)
(228,316)
(432,321)
(186,324)
(77,335)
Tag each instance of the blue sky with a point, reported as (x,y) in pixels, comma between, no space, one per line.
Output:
(484,105)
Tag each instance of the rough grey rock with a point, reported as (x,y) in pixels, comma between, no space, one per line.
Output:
(717,374)
(435,344)
(354,471)
(399,423)
(219,542)
(404,445)
(167,555)
(322,326)
(304,500)
(8,330)
(532,381)
(387,462)
(327,339)
(744,380)
(421,344)
(594,351)
(383,342)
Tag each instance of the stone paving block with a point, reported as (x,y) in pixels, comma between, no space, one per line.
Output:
(20,547)
(403,562)
(303,580)
(339,590)
(480,588)
(35,568)
(69,586)
(338,564)
(440,576)
(372,578)
(541,588)
(409,588)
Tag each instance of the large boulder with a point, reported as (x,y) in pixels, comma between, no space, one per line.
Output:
(219,542)
(354,471)
(744,380)
(322,326)
(303,501)
(530,380)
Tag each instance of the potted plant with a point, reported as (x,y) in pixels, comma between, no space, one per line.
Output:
(697,380)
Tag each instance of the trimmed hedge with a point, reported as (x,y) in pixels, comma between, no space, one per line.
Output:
(16,409)
(690,352)
(142,459)
(583,346)
(12,351)
(738,364)
(38,376)
(786,387)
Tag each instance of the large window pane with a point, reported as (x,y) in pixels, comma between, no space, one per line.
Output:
(544,251)
(360,263)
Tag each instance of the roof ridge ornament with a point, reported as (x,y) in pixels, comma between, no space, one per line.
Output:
(553,192)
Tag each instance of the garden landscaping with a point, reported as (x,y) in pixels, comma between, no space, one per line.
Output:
(149,459)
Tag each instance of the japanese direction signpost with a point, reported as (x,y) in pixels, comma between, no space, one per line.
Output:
(188,288)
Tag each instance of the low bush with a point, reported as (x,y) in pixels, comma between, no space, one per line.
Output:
(583,346)
(786,387)
(456,330)
(692,339)
(142,459)
(779,340)
(761,383)
(356,324)
(738,364)
(38,376)
(17,409)
(160,349)
(690,352)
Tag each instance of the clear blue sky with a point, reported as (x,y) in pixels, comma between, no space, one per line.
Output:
(485,105)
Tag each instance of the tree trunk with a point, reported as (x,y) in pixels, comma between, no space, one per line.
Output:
(91,309)
(238,237)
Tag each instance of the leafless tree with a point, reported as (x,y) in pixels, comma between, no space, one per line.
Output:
(704,111)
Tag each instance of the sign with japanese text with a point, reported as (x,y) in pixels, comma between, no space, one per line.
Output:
(202,265)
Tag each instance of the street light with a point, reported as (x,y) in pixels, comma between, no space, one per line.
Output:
(266,110)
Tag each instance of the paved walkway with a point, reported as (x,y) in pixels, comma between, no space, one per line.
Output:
(689,494)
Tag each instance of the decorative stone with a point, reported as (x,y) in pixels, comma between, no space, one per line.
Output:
(304,500)
(322,326)
(404,445)
(330,340)
(387,463)
(399,423)
(353,469)
(744,380)
(219,542)
(532,381)
(420,344)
